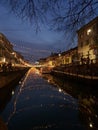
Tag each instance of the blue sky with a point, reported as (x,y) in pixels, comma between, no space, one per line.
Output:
(22,33)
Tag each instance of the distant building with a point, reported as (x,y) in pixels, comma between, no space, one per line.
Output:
(70,56)
(86,51)
(52,60)
(7,54)
(5,48)
(62,58)
(41,61)
(88,40)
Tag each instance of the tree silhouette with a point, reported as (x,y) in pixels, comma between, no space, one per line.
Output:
(63,14)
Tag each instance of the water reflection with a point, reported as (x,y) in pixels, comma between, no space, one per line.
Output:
(5,96)
(87,99)
(38,105)
(49,102)
(7,92)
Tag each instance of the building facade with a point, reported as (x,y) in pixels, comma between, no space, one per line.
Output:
(7,54)
(5,49)
(88,40)
(86,51)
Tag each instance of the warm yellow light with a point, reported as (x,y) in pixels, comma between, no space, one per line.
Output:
(12,92)
(48,80)
(4,60)
(89,31)
(91,125)
(59,54)
(60,90)
(37,72)
(13,53)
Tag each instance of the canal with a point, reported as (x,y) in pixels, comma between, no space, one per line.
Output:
(47,102)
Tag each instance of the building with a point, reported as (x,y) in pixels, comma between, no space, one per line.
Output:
(88,41)
(61,58)
(7,54)
(86,51)
(5,49)
(70,56)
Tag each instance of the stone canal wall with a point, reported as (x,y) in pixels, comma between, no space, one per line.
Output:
(78,73)
(11,77)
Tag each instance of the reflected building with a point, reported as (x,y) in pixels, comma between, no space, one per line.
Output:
(86,96)
(88,106)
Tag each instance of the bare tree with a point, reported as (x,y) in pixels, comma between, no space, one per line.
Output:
(77,13)
(63,14)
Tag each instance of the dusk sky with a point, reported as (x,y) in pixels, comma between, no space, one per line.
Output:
(22,33)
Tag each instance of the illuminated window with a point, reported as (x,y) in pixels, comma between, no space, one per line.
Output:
(89,31)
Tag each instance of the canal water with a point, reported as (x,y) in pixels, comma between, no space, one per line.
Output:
(47,102)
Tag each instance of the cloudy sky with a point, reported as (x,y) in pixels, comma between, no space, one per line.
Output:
(24,38)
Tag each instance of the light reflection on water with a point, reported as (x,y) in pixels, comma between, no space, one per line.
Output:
(38,103)
(87,97)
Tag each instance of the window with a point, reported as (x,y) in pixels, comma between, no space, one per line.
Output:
(89,31)
(81,35)
(94,27)
(87,42)
(81,44)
